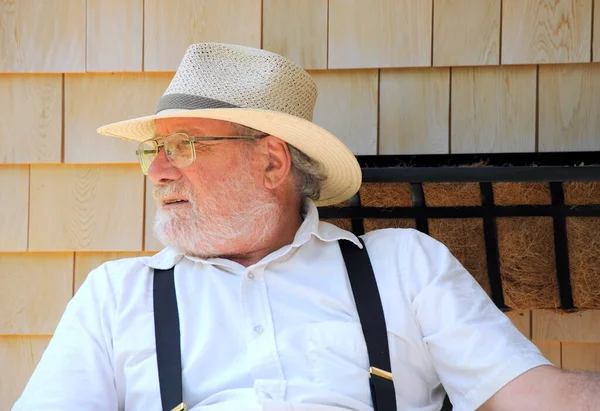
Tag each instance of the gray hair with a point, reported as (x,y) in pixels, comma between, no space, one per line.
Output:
(308,172)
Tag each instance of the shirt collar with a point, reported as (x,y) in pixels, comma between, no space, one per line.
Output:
(310,227)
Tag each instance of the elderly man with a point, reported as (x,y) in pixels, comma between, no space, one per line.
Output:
(254,304)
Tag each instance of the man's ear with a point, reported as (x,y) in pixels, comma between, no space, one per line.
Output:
(279,162)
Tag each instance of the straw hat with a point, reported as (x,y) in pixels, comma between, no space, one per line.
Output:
(257,89)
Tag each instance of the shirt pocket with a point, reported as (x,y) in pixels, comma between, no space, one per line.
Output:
(339,360)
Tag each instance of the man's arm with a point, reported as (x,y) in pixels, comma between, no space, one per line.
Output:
(474,347)
(548,388)
(76,370)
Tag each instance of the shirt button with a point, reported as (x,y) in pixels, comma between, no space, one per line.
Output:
(259,329)
(251,276)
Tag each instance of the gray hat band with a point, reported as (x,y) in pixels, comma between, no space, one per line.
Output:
(189,102)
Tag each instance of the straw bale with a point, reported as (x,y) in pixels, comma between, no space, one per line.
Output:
(343,223)
(527,262)
(534,193)
(371,224)
(385,195)
(465,240)
(584,260)
(451,194)
(582,192)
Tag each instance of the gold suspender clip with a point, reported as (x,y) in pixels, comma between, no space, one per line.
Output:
(381,373)
(180,407)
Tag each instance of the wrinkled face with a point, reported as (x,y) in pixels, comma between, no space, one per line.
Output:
(206,209)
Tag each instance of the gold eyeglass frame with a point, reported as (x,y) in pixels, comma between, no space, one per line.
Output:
(142,151)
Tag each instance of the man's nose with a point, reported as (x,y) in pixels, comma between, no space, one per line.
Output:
(161,170)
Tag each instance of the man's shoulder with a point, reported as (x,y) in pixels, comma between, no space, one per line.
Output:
(392,239)
(129,269)
(125,264)
(413,257)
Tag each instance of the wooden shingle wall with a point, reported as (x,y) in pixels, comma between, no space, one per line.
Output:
(395,76)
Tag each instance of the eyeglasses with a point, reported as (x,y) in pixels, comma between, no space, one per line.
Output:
(179,148)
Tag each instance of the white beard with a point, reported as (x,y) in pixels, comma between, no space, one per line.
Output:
(206,232)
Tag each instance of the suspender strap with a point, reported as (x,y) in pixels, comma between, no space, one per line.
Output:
(372,320)
(166,334)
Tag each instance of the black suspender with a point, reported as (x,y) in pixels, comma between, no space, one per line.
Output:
(370,312)
(167,336)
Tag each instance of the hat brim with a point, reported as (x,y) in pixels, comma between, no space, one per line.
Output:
(343,172)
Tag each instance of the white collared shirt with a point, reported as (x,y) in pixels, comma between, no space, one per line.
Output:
(284,333)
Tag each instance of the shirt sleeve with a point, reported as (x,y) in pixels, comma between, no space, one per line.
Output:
(75,371)
(474,346)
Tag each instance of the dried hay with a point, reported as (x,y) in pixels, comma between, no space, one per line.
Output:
(525,244)
(345,203)
(386,195)
(584,260)
(343,223)
(527,262)
(522,193)
(451,194)
(371,224)
(580,193)
(464,238)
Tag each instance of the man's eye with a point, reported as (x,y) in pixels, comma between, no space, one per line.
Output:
(183,145)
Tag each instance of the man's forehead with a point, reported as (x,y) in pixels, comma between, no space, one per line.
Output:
(190,125)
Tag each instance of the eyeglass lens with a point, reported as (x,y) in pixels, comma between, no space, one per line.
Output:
(179,150)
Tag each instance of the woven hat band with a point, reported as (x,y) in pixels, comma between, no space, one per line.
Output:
(182,101)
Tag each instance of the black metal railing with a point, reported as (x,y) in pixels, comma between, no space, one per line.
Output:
(551,168)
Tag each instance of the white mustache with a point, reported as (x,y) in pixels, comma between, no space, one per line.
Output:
(170,190)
